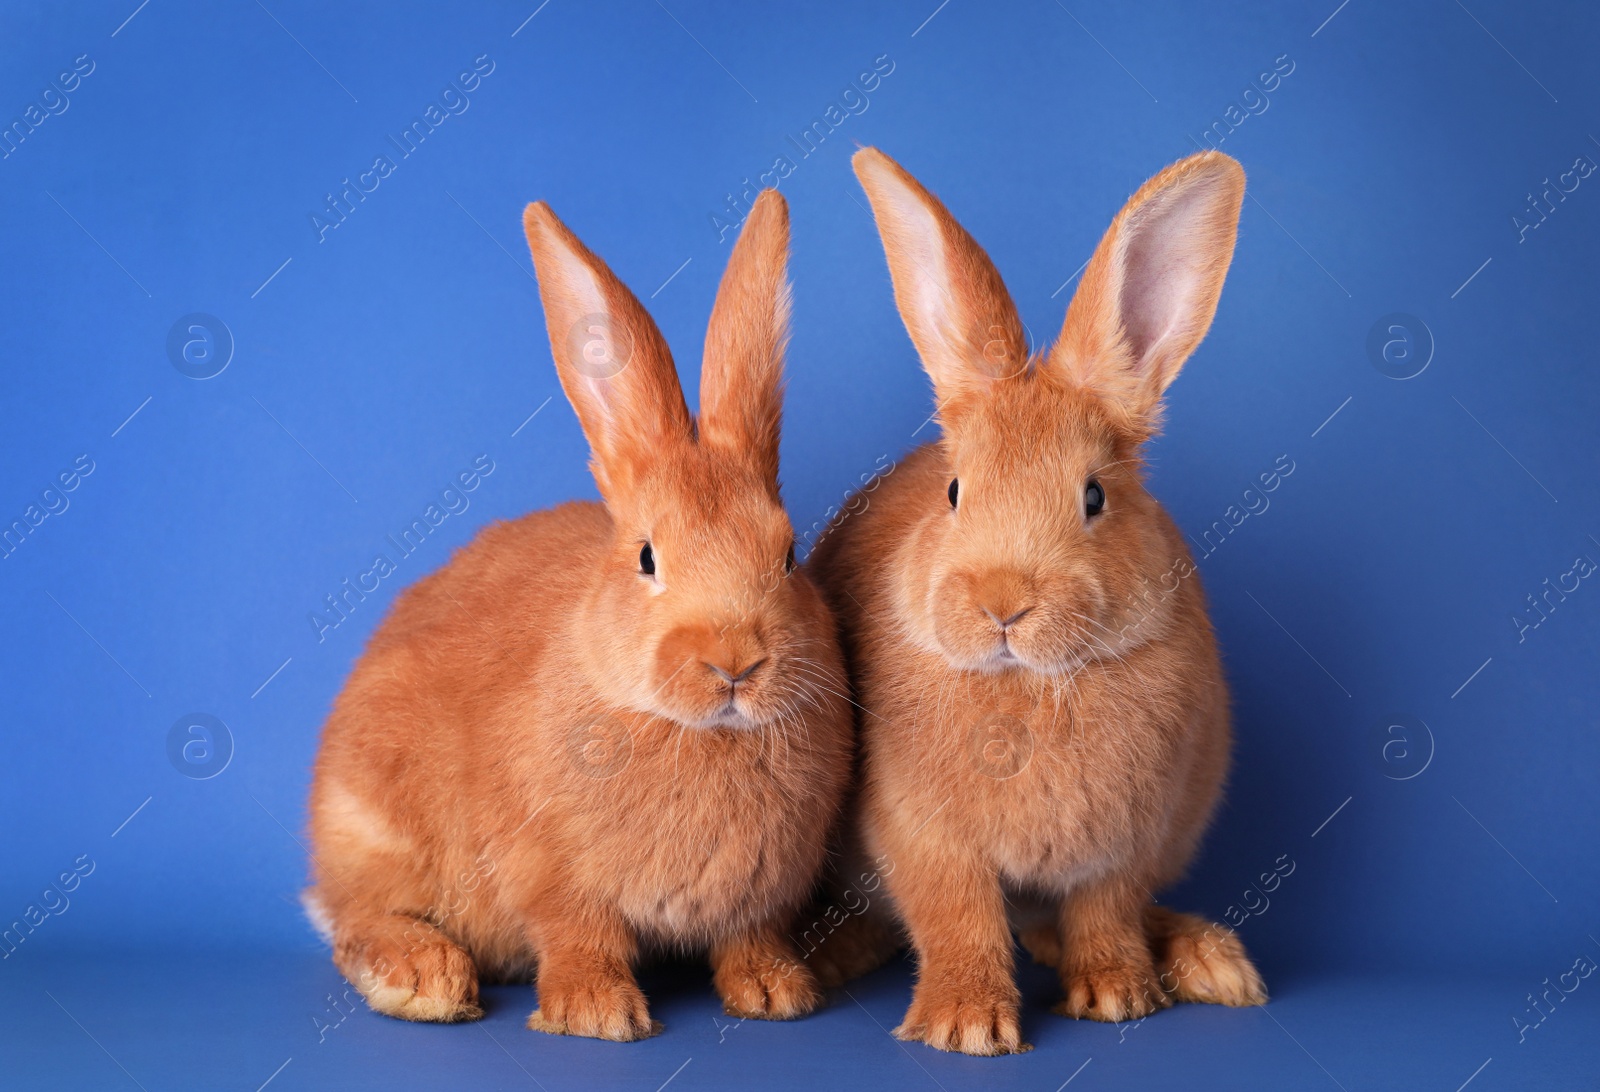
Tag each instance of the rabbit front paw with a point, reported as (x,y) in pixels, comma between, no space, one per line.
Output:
(1112,993)
(985,1023)
(765,985)
(612,1009)
(428,979)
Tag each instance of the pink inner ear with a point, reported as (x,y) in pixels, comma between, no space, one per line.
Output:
(582,297)
(923,243)
(1164,259)
(918,238)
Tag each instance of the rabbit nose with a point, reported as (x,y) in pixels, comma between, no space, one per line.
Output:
(1004,595)
(1007,622)
(730,677)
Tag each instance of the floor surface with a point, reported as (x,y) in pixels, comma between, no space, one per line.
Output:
(279,1021)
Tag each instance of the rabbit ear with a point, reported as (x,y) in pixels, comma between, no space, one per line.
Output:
(613,363)
(1149,292)
(954,304)
(741,378)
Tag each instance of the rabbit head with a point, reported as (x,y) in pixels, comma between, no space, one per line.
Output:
(699,614)
(1041,549)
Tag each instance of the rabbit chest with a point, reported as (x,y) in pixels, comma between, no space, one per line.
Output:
(1089,798)
(697,832)
(1063,785)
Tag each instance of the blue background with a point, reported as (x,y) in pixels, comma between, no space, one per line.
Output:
(1379,587)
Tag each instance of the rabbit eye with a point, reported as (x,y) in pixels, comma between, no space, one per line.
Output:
(788,561)
(647,560)
(955,488)
(1094,498)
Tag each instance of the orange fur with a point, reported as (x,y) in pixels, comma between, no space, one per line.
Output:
(547,759)
(1046,715)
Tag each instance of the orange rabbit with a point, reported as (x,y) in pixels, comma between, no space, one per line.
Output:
(1046,721)
(603,728)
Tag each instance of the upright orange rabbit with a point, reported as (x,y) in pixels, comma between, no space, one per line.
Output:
(601,728)
(1045,720)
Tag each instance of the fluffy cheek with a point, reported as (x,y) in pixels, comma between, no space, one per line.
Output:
(962,631)
(682,686)
(1136,609)
(1067,627)
(1139,578)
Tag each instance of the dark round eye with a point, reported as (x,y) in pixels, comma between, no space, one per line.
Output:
(955,488)
(1094,498)
(788,561)
(647,560)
